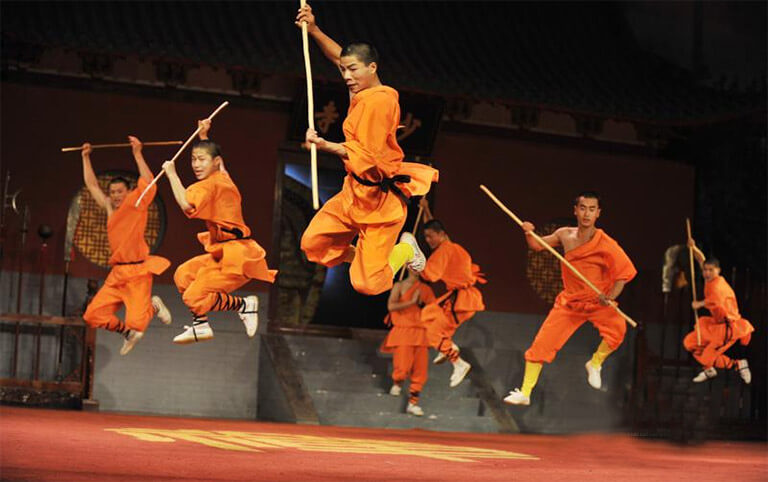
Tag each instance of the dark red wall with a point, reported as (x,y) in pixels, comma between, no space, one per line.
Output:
(644,207)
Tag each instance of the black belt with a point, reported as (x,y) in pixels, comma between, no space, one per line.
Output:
(234,231)
(130,262)
(728,333)
(452,298)
(387,184)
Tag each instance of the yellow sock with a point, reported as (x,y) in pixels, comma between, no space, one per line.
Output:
(601,354)
(400,254)
(532,372)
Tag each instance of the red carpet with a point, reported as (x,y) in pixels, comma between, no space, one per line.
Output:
(68,445)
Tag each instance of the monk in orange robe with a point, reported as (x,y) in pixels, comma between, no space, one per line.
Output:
(232,258)
(451,264)
(602,261)
(372,202)
(407,340)
(129,281)
(722,329)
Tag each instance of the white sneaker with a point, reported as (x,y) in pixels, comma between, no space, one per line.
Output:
(131,338)
(746,375)
(414,410)
(396,390)
(194,334)
(516,397)
(441,358)
(705,375)
(460,370)
(161,311)
(593,375)
(250,315)
(418,261)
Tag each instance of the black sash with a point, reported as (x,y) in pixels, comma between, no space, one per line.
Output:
(387,184)
(235,232)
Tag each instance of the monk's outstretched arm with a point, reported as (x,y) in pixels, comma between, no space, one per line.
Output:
(91,182)
(179,192)
(333,147)
(141,163)
(614,293)
(330,48)
(551,239)
(697,253)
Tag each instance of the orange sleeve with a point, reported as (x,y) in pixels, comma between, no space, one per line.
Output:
(134,195)
(200,196)
(374,124)
(620,266)
(436,265)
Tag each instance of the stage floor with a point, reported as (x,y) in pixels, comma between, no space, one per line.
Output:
(68,445)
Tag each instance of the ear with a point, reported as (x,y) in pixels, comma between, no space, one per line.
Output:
(373,66)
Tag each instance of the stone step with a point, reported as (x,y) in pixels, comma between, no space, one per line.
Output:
(357,382)
(331,346)
(345,402)
(341,364)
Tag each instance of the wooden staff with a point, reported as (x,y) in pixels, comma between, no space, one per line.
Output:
(102,146)
(310,110)
(415,230)
(178,153)
(557,255)
(693,282)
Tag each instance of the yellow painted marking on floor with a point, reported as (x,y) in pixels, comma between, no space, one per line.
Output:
(250,441)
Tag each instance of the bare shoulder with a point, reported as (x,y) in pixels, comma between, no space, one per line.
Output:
(567,237)
(565,232)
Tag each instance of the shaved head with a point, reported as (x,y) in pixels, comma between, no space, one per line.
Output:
(364,51)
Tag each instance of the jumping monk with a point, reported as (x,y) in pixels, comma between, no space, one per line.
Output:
(451,264)
(372,202)
(407,340)
(602,261)
(722,329)
(129,281)
(232,258)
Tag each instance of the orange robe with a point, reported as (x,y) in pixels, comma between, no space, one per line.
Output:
(377,216)
(721,330)
(451,264)
(602,261)
(232,259)
(130,280)
(407,341)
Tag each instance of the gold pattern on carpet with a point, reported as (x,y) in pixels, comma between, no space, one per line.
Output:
(254,441)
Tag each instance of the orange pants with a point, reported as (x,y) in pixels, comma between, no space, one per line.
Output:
(562,322)
(441,325)
(711,352)
(201,281)
(135,293)
(410,361)
(327,241)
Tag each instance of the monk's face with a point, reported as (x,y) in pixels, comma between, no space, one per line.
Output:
(117,193)
(203,164)
(356,74)
(434,238)
(587,210)
(710,272)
